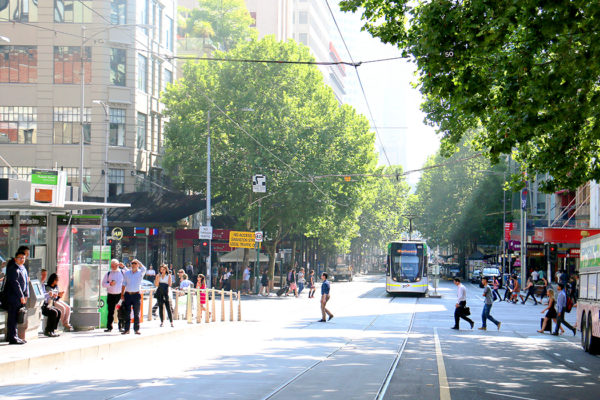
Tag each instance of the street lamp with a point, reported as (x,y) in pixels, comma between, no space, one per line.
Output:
(106,139)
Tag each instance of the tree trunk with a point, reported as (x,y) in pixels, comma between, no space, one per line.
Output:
(293,258)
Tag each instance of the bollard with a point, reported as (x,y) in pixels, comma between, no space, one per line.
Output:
(199,307)
(188,306)
(214,317)
(239,307)
(150,305)
(230,305)
(222,305)
(176,311)
(141,307)
(207,314)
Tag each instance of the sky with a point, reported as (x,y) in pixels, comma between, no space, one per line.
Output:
(395,104)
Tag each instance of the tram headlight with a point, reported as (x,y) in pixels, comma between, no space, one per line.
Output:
(418,279)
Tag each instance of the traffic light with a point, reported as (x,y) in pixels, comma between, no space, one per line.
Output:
(201,247)
(550,252)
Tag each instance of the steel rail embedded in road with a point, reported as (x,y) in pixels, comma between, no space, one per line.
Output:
(386,383)
(384,386)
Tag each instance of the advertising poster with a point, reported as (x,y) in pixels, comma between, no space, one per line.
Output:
(63,256)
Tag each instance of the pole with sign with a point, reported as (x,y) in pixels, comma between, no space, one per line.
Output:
(524,193)
(259,185)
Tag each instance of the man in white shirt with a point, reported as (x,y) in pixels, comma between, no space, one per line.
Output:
(113,282)
(131,296)
(461,304)
(534,276)
(246,281)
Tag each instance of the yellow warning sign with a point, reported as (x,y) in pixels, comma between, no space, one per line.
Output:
(245,240)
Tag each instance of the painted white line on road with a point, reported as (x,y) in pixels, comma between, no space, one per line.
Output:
(585,369)
(509,395)
(556,354)
(442,378)
(569,361)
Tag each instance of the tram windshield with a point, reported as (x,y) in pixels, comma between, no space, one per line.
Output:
(405,268)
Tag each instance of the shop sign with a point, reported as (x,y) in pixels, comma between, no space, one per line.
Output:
(101,253)
(244,240)
(48,188)
(221,247)
(79,220)
(117,233)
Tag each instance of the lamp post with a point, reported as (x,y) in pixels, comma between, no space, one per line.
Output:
(208,205)
(106,139)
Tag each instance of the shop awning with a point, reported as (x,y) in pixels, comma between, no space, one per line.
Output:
(24,205)
(155,207)
(563,235)
(237,255)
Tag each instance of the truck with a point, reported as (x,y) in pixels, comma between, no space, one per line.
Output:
(588,301)
(341,271)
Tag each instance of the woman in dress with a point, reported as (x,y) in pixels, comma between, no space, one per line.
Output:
(64,308)
(551,314)
(163,282)
(311,284)
(201,284)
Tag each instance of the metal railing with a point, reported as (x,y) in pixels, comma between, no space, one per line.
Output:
(194,308)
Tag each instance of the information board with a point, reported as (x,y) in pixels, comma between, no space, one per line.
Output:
(245,240)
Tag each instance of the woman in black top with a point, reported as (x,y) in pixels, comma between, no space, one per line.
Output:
(264,283)
(163,281)
(551,314)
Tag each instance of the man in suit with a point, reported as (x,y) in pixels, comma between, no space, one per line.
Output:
(17,292)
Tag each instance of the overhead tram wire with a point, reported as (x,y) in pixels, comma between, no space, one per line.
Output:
(360,83)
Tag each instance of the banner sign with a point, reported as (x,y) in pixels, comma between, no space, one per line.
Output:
(245,240)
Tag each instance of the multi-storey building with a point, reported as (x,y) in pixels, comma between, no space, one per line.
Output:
(111,56)
(308,22)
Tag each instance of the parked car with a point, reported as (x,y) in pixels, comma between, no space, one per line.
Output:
(476,277)
(490,273)
(341,271)
(453,271)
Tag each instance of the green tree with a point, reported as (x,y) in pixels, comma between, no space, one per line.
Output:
(527,71)
(226,22)
(273,119)
(460,203)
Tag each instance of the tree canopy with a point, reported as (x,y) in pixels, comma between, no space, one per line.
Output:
(526,71)
(279,120)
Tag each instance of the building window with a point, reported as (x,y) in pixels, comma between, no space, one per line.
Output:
(18,64)
(169,33)
(117,127)
(168,78)
(18,125)
(159,32)
(253,16)
(142,7)
(75,11)
(303,38)
(142,131)
(302,17)
(116,181)
(142,81)
(118,62)
(19,10)
(67,127)
(118,12)
(67,64)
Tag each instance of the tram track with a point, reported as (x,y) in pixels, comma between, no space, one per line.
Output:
(389,374)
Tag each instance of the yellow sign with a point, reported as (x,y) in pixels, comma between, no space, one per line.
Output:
(245,240)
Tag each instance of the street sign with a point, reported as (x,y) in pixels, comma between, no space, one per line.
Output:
(245,240)
(258,236)
(117,233)
(259,184)
(205,232)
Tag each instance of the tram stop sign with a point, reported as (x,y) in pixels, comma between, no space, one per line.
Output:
(117,233)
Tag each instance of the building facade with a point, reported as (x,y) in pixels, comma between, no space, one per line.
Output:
(114,57)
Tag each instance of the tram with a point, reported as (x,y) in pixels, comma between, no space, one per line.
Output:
(406,270)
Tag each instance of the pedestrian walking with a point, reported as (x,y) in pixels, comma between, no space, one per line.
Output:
(201,284)
(544,288)
(264,283)
(530,288)
(509,289)
(535,276)
(325,288)
(48,310)
(514,296)
(461,310)
(495,292)
(112,281)
(550,312)
(63,307)
(16,291)
(301,281)
(246,281)
(291,278)
(184,281)
(311,284)
(561,305)
(131,296)
(487,306)
(227,280)
(163,282)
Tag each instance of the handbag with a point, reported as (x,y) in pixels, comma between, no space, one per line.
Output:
(22,315)
(467,311)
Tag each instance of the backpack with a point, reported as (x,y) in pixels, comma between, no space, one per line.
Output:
(569,305)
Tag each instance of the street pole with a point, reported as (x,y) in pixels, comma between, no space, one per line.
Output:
(524,193)
(82,77)
(106,140)
(208,205)
(256,267)
(504,226)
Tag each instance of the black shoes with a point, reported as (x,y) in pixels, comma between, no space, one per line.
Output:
(322,320)
(138,333)
(455,328)
(17,341)
(108,330)
(331,316)
(472,324)
(574,332)
(51,334)
(125,333)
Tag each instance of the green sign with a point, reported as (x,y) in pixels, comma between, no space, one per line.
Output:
(44,177)
(101,253)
